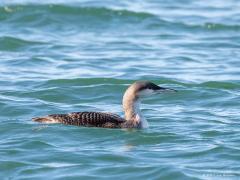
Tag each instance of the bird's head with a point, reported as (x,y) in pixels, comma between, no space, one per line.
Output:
(142,89)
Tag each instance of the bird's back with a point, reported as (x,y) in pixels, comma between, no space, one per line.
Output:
(89,119)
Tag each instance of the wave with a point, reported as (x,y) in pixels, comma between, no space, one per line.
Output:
(44,14)
(193,27)
(98,12)
(9,43)
(220,85)
(116,81)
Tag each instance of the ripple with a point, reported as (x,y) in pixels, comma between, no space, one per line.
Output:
(221,85)
(11,43)
(68,56)
(58,9)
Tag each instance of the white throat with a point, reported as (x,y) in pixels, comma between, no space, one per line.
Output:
(138,115)
(131,107)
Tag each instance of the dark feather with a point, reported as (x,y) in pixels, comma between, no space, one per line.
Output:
(89,119)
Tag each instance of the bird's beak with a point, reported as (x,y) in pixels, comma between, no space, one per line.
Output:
(162,89)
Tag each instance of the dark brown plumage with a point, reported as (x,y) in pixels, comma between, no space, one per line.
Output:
(88,119)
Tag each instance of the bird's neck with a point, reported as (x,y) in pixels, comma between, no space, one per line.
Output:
(131,107)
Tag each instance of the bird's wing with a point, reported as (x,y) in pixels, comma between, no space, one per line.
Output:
(93,119)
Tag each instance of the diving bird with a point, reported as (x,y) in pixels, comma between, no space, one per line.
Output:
(131,101)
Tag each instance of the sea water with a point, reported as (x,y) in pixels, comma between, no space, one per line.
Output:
(67,56)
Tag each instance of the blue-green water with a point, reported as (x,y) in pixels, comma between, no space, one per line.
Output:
(64,56)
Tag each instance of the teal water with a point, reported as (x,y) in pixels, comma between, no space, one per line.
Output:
(64,56)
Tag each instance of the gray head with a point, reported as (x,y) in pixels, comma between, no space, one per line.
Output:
(146,88)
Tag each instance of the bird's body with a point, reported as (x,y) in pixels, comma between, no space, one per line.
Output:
(88,119)
(133,117)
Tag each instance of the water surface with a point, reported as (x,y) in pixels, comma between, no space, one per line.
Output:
(64,56)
